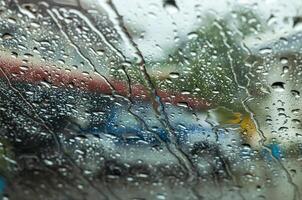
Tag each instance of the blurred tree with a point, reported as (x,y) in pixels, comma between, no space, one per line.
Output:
(210,64)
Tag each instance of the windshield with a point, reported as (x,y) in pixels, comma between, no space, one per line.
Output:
(153,99)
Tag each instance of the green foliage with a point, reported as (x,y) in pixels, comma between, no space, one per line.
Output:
(5,153)
(211,66)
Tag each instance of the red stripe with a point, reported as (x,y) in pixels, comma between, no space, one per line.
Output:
(94,83)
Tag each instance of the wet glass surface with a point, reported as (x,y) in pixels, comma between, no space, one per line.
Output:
(153,99)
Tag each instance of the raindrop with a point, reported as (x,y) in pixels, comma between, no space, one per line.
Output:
(14,54)
(271,20)
(7,36)
(30,7)
(160,196)
(295,93)
(265,50)
(171,6)
(48,162)
(297,21)
(278,86)
(284,60)
(192,35)
(283,129)
(285,69)
(293,171)
(295,111)
(81,187)
(296,121)
(100,52)
(174,75)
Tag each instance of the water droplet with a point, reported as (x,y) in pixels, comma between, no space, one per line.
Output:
(192,35)
(265,50)
(278,86)
(295,111)
(297,21)
(295,93)
(285,69)
(174,75)
(171,6)
(160,196)
(7,36)
(284,60)
(283,129)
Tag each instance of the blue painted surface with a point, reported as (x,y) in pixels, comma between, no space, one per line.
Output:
(276,152)
(119,115)
(2,185)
